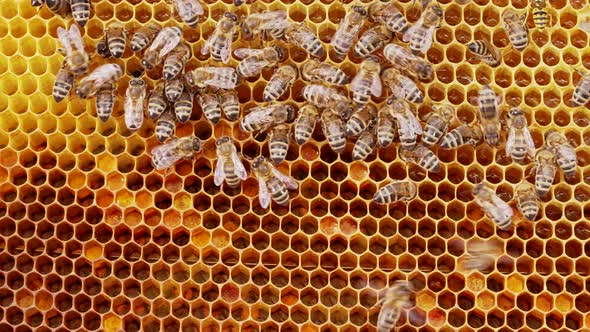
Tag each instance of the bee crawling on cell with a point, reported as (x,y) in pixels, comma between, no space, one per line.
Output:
(272,184)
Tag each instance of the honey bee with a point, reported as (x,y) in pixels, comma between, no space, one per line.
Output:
(280,82)
(420,34)
(107,73)
(401,86)
(488,103)
(520,142)
(545,170)
(76,57)
(361,120)
(102,47)
(388,14)
(305,123)
(157,101)
(481,255)
(183,107)
(396,191)
(134,102)
(385,129)
(229,166)
(421,156)
(144,36)
(173,89)
(528,204)
(372,40)
(326,97)
(189,11)
(408,127)
(64,81)
(166,155)
(272,183)
(209,103)
(486,52)
(343,39)
(365,144)
(105,101)
(437,123)
(396,299)
(176,60)
(116,37)
(165,126)
(217,77)
(491,130)
(516,28)
(59,7)
(279,142)
(164,42)
(254,60)
(80,11)
(403,59)
(219,42)
(367,81)
(333,128)
(316,71)
(300,35)
(462,135)
(581,93)
(262,117)
(230,104)
(564,152)
(494,207)
(271,23)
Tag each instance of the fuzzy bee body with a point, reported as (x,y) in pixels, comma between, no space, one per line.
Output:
(134,102)
(421,33)
(80,11)
(144,36)
(396,191)
(305,123)
(272,183)
(89,85)
(102,48)
(189,11)
(262,117)
(183,107)
(326,97)
(220,40)
(396,299)
(157,102)
(173,89)
(437,124)
(302,36)
(59,7)
(401,86)
(164,42)
(210,105)
(565,153)
(216,77)
(165,126)
(494,207)
(540,15)
(64,81)
(485,51)
(545,170)
(408,126)
(528,204)
(175,61)
(516,29)
(367,81)
(421,156)
(315,71)
(230,104)
(385,129)
(349,29)
(166,155)
(279,142)
(268,23)
(389,15)
(255,60)
(229,166)
(365,145)
(460,136)
(333,129)
(372,40)
(581,93)
(361,120)
(520,142)
(76,58)
(116,37)
(404,60)
(105,101)
(489,115)
(279,83)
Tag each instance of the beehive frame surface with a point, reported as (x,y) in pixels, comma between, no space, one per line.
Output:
(92,237)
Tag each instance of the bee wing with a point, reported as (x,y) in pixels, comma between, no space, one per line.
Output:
(274,20)
(189,7)
(263,194)
(219,175)
(427,43)
(286,179)
(208,43)
(243,53)
(165,154)
(510,140)
(502,208)
(226,50)
(64,38)
(412,30)
(414,124)
(76,37)
(218,72)
(376,86)
(239,167)
(357,82)
(529,142)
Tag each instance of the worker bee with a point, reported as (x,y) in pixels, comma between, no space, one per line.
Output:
(385,129)
(520,142)
(230,104)
(396,299)
(165,41)
(408,127)
(59,7)
(300,35)
(349,29)
(563,150)
(372,40)
(272,183)
(403,59)
(367,81)
(105,101)
(183,107)
(229,166)
(396,191)
(102,47)
(316,71)
(165,126)
(262,117)
(189,11)
(545,170)
(516,28)
(80,11)
(176,60)
(333,128)
(421,156)
(421,33)
(481,255)
(166,155)
(271,23)
(581,93)
(76,57)
(144,36)
(491,130)
(486,52)
(494,207)
(217,77)
(134,102)
(326,97)
(64,81)
(107,73)
(173,89)
(526,196)
(437,123)
(488,103)
(209,104)
(157,101)
(401,86)
(305,123)
(280,82)
(254,60)
(116,37)
(220,40)
(361,120)
(462,135)
(389,15)
(365,144)
(278,143)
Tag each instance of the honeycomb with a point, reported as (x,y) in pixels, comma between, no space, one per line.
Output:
(92,238)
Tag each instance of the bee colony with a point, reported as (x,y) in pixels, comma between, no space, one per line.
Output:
(349,166)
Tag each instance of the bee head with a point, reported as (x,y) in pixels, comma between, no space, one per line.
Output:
(514,113)
(472,46)
(361,10)
(222,140)
(246,31)
(196,144)
(290,113)
(425,71)
(231,15)
(238,3)
(478,189)
(258,161)
(437,10)
(146,64)
(188,78)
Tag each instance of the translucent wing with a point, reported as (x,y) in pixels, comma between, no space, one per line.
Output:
(274,20)
(164,156)
(510,140)
(357,82)
(226,50)
(287,180)
(413,123)
(263,194)
(529,142)
(427,41)
(376,86)
(208,43)
(64,39)
(76,37)
(239,167)
(413,30)
(219,175)
(188,7)
(216,77)
(501,207)
(246,52)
